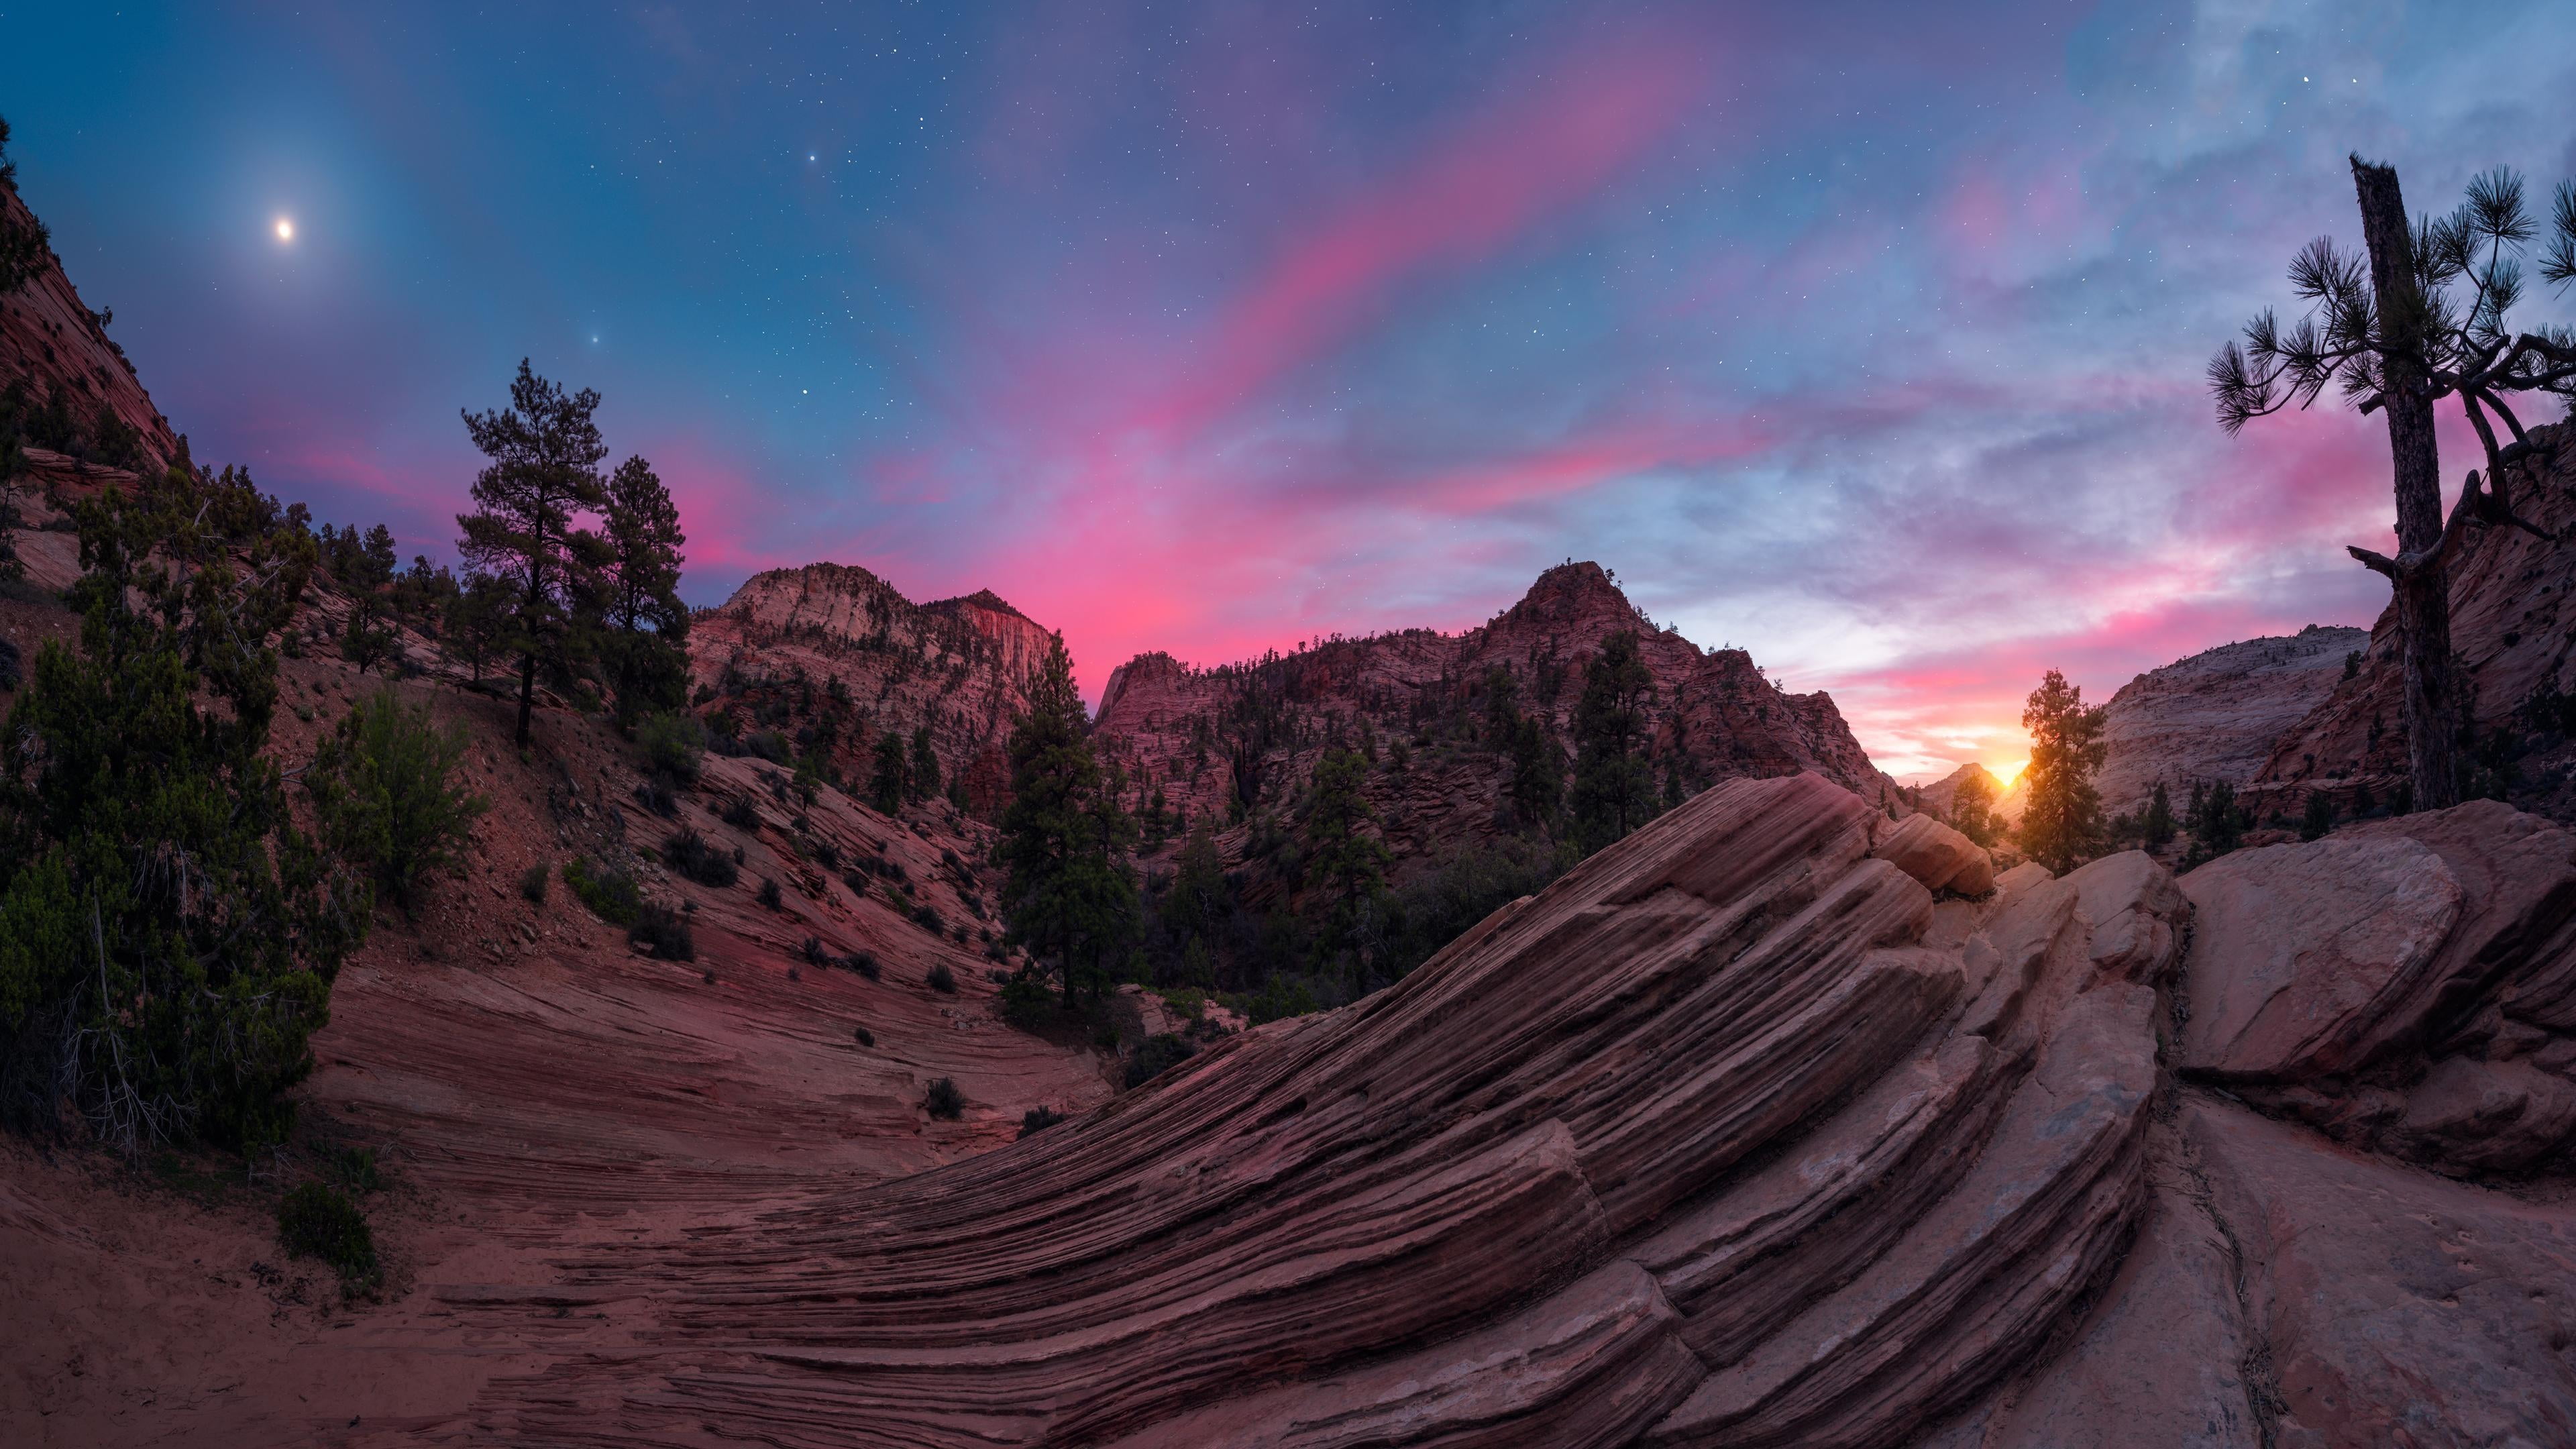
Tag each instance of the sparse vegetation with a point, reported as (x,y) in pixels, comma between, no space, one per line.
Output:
(864,963)
(769,896)
(610,893)
(1038,1119)
(863,1036)
(1157,1054)
(674,746)
(385,790)
(664,932)
(317,1220)
(943,1100)
(532,882)
(941,979)
(699,859)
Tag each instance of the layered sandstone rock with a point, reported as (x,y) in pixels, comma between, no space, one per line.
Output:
(51,343)
(2217,715)
(1736,1135)
(2406,984)
(833,648)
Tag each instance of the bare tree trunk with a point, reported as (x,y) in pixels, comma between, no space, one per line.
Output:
(2423,580)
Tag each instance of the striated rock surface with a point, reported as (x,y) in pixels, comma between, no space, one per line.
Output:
(1735,1135)
(2404,984)
(2216,715)
(53,345)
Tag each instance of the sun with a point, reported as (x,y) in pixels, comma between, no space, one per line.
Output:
(2007,773)
(285,230)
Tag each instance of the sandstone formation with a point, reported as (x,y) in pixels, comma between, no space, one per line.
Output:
(52,344)
(831,649)
(1246,736)
(2216,715)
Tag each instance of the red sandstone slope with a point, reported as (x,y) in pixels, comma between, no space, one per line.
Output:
(769,656)
(51,342)
(1741,1134)
(1199,736)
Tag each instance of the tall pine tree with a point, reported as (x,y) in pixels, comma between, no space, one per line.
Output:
(2061,817)
(545,453)
(647,625)
(1614,782)
(1067,898)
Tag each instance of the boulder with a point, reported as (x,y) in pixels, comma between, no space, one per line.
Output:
(1938,856)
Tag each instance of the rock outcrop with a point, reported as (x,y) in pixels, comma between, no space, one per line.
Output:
(2217,715)
(831,652)
(1740,1134)
(1249,734)
(53,346)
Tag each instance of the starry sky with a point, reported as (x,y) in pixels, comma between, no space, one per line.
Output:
(1867,337)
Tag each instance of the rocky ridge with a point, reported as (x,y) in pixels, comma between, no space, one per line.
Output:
(1221,742)
(52,343)
(773,654)
(2216,715)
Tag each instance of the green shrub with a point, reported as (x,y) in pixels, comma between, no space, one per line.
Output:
(168,935)
(943,1100)
(943,979)
(926,917)
(661,929)
(610,893)
(1039,1119)
(695,857)
(740,813)
(1027,1002)
(863,1036)
(864,963)
(772,746)
(385,789)
(356,1169)
(1156,1055)
(674,746)
(317,1220)
(532,882)
(769,896)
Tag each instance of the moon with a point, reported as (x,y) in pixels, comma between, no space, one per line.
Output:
(285,230)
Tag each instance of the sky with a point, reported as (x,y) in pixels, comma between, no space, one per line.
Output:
(1869,338)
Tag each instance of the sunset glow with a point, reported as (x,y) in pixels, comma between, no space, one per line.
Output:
(1878,355)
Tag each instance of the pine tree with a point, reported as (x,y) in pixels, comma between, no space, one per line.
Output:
(2159,825)
(925,764)
(1972,810)
(2061,818)
(1345,860)
(1538,775)
(478,620)
(646,646)
(892,780)
(545,453)
(168,935)
(1614,783)
(1067,897)
(365,571)
(2390,332)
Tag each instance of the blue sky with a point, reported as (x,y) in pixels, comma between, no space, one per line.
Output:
(1868,337)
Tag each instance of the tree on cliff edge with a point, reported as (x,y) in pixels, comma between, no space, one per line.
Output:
(2421,318)
(23,245)
(545,453)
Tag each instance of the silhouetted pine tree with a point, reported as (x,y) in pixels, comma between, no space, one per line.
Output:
(1067,897)
(1614,783)
(648,627)
(545,453)
(2061,816)
(2390,331)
